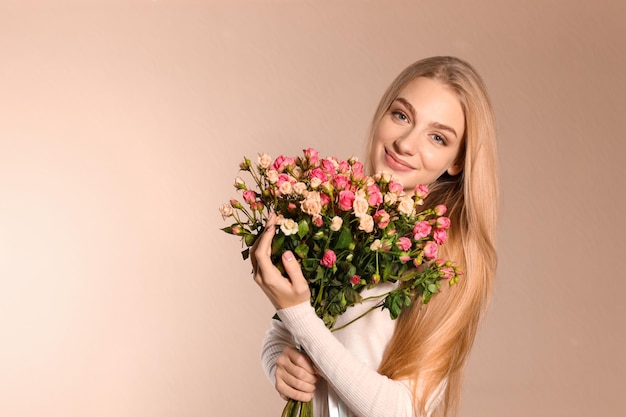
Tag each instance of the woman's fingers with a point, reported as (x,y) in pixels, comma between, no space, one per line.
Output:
(295,375)
(262,249)
(281,292)
(294,271)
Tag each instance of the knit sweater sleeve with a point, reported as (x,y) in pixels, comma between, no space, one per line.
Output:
(276,340)
(365,392)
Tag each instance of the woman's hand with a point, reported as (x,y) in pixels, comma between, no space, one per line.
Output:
(282,292)
(295,375)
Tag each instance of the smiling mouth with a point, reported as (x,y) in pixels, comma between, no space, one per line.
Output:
(396,164)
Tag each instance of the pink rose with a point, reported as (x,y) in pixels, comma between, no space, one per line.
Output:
(319,174)
(421,230)
(404,243)
(382,219)
(440,236)
(318,221)
(290,162)
(328,165)
(447,272)
(344,167)
(421,191)
(279,164)
(440,210)
(355,280)
(443,222)
(395,187)
(329,259)
(285,178)
(341,182)
(235,204)
(312,156)
(405,258)
(324,199)
(430,250)
(249,196)
(374,196)
(357,170)
(346,198)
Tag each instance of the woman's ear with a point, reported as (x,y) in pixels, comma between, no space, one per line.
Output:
(454,169)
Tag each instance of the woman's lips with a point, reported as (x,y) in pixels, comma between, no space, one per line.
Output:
(396,163)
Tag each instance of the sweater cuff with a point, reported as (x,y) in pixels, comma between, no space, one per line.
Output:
(296,314)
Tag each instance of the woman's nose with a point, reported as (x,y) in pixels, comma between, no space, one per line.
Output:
(407,144)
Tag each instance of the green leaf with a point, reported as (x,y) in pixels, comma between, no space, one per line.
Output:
(302,250)
(303,228)
(249,238)
(228,230)
(432,288)
(345,239)
(310,264)
(352,296)
(277,243)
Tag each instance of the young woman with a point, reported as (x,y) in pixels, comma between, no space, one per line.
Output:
(434,125)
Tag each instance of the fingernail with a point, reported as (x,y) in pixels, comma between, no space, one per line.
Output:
(288,256)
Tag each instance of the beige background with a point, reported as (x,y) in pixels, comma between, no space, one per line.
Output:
(121,127)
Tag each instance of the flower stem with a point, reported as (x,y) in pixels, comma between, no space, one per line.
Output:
(353,320)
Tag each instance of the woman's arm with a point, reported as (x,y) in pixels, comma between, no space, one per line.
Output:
(290,371)
(365,392)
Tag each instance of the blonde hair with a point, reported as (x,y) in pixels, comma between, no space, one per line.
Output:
(431,343)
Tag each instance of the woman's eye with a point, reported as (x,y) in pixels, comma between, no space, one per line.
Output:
(400,116)
(439,139)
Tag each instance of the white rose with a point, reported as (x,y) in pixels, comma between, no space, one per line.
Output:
(315,182)
(360,206)
(226,210)
(272,176)
(366,223)
(376,245)
(299,188)
(406,205)
(240,184)
(289,227)
(265,161)
(312,204)
(390,198)
(296,171)
(285,188)
(336,223)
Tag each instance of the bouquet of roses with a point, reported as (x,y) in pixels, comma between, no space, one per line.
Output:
(349,232)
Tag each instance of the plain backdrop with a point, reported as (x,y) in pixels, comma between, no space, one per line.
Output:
(122,124)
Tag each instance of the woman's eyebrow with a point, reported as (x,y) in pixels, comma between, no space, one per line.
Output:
(440,126)
(406,104)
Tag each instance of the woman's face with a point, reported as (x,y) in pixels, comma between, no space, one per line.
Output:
(419,137)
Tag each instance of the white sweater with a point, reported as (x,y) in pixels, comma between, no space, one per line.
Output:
(346,359)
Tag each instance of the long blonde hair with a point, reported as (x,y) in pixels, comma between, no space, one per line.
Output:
(431,343)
